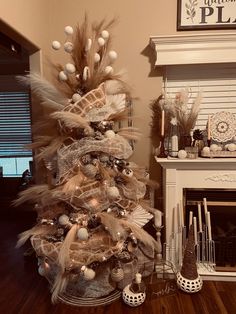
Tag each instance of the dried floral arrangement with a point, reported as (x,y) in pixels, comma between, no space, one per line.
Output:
(89,238)
(180,108)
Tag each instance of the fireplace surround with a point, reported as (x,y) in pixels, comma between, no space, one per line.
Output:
(199,48)
(200,173)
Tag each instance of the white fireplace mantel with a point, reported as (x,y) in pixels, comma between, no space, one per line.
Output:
(200,173)
(194,48)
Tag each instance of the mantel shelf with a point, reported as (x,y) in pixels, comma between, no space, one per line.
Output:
(194,48)
(198,163)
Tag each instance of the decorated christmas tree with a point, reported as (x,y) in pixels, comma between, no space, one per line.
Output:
(88,239)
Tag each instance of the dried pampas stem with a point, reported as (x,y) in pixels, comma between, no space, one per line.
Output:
(113,226)
(42,88)
(64,253)
(36,230)
(72,120)
(59,286)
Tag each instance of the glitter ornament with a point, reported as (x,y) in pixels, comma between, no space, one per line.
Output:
(70,68)
(87,273)
(56,45)
(76,97)
(110,134)
(68,47)
(113,192)
(63,220)
(62,76)
(105,34)
(112,55)
(117,274)
(69,30)
(101,41)
(97,57)
(127,172)
(82,234)
(89,170)
(108,69)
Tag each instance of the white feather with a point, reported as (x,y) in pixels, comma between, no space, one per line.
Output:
(42,88)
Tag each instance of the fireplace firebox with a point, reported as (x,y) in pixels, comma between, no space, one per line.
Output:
(191,178)
(221,204)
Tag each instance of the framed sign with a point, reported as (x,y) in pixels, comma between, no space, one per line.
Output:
(206,14)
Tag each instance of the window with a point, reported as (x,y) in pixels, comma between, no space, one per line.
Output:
(15,132)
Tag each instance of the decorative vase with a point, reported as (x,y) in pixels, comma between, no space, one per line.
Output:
(188,285)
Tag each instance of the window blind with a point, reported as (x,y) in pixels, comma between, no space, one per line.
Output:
(15,124)
(216,81)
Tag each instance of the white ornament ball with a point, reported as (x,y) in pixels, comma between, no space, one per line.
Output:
(182,154)
(43,268)
(105,34)
(133,299)
(68,47)
(101,41)
(62,76)
(63,220)
(214,147)
(206,150)
(88,44)
(70,68)
(56,45)
(69,30)
(113,192)
(110,134)
(108,69)
(82,234)
(231,147)
(76,97)
(88,273)
(97,57)
(112,55)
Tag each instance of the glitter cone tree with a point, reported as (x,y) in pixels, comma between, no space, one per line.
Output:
(89,238)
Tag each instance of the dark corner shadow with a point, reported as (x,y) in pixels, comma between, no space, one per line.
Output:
(149,52)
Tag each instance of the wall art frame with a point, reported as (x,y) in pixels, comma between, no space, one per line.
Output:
(205,14)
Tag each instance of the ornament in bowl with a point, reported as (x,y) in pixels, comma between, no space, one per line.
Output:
(134,294)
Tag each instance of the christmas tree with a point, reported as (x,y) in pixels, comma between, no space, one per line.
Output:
(88,238)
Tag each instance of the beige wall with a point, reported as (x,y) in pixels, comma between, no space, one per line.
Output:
(42,21)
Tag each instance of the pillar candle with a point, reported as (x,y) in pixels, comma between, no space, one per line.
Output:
(209,226)
(199,217)
(205,209)
(195,229)
(181,214)
(158,218)
(162,122)
(190,218)
(209,128)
